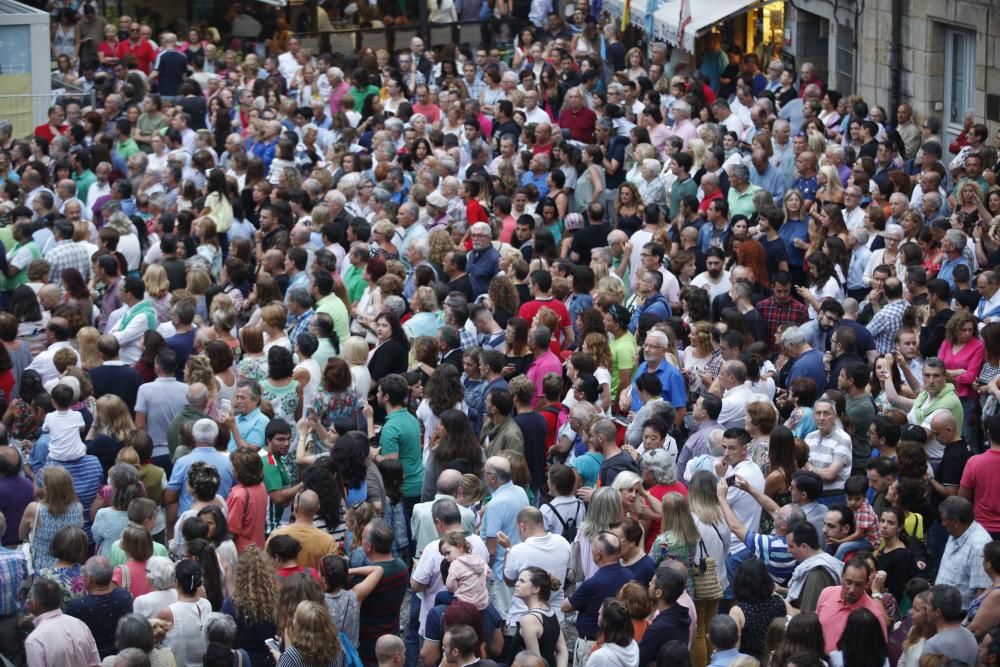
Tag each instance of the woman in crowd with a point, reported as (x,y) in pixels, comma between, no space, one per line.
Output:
(185,639)
(539,629)
(756,605)
(253,604)
(70,549)
(58,507)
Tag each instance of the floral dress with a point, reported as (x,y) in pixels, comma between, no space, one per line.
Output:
(253,368)
(283,401)
(665,547)
(70,580)
(329,406)
(24,427)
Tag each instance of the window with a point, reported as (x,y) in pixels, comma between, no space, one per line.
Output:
(959,66)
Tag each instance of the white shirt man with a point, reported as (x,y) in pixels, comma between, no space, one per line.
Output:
(830,449)
(737,395)
(540,549)
(736,461)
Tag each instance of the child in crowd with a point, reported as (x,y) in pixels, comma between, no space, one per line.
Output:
(866,531)
(63,426)
(467,572)
(565,512)
(141,512)
(356,519)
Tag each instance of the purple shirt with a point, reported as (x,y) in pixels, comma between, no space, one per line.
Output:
(15,494)
(540,367)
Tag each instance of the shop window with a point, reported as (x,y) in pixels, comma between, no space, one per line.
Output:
(845,58)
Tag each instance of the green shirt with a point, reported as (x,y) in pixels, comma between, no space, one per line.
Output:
(401,435)
(83,182)
(742,203)
(118,557)
(622,358)
(355,283)
(360,95)
(335,308)
(127,148)
(276,478)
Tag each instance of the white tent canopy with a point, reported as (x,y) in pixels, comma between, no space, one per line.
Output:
(704,13)
(637,10)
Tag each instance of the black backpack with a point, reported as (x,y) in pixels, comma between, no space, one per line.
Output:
(569,526)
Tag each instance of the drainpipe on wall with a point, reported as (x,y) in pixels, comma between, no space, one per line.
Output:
(896,55)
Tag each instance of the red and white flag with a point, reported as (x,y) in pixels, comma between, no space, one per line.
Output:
(685,19)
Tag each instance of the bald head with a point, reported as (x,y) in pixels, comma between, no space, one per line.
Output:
(307,505)
(108,346)
(448,482)
(49,296)
(944,427)
(10,460)
(498,466)
(197,396)
(388,648)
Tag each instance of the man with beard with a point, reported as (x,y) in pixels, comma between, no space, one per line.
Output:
(715,279)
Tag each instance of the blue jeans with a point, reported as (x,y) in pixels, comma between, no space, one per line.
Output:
(411,635)
(850,547)
(732,564)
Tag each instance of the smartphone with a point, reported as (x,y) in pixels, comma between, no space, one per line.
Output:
(272,644)
(731,480)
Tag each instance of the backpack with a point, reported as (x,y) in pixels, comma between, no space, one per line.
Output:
(569,526)
(351,657)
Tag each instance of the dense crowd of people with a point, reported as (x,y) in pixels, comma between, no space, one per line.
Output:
(559,354)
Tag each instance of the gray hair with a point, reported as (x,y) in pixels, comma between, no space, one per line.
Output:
(197,395)
(683,108)
(395,305)
(715,441)
(860,234)
(133,631)
(219,628)
(204,432)
(420,245)
(739,170)
(160,572)
(957,238)
(481,227)
(793,337)
(252,385)
(957,508)
(660,465)
(300,296)
(791,514)
(446,511)
(99,570)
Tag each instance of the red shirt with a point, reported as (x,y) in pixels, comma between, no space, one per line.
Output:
(579,123)
(432,112)
(658,491)
(531,308)
(703,206)
(45,131)
(474,212)
(542,148)
(143,52)
(980,475)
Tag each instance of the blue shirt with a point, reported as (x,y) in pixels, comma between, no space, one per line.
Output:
(947,271)
(589,466)
(590,595)
(809,364)
(772,180)
(856,270)
(501,514)
(539,182)
(773,550)
(178,478)
(642,570)
(674,388)
(724,658)
(251,427)
(13,570)
(791,230)
(807,186)
(482,266)
(87,474)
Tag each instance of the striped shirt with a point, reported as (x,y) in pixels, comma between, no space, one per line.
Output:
(87,475)
(886,323)
(773,550)
(824,451)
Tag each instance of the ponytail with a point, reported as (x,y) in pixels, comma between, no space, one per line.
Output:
(211,572)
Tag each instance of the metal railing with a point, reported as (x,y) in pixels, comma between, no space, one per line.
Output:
(347,39)
(28,110)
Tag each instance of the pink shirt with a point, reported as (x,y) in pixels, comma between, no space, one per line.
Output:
(980,475)
(432,112)
(833,613)
(971,358)
(137,583)
(59,640)
(337,94)
(540,367)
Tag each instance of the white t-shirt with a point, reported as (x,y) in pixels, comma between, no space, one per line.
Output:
(549,552)
(746,509)
(63,427)
(427,571)
(714,288)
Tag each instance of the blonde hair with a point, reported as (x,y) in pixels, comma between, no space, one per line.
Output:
(127,455)
(598,347)
(313,632)
(198,281)
(86,340)
(274,315)
(832,178)
(199,369)
(156,281)
(355,351)
(112,418)
(676,519)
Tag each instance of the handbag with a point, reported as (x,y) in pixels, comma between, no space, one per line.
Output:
(126,578)
(575,571)
(26,545)
(705,575)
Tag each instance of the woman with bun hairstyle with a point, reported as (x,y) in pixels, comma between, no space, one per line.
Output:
(185,638)
(539,629)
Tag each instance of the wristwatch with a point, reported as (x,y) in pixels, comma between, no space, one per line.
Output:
(877,596)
